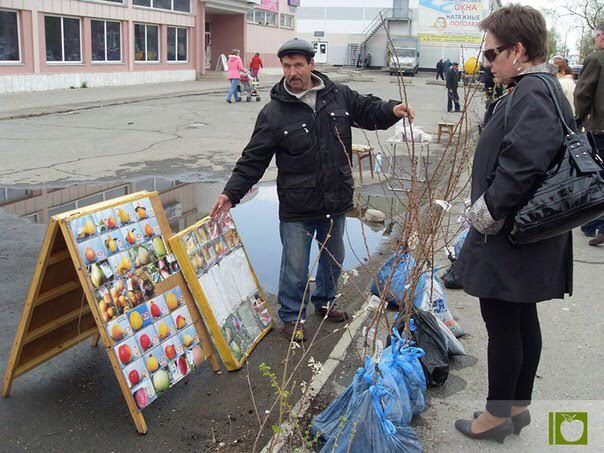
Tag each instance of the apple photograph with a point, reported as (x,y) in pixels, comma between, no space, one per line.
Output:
(112,242)
(150,228)
(107,308)
(125,214)
(105,221)
(259,306)
(139,317)
(188,336)
(144,394)
(136,372)
(220,246)
(161,381)
(132,235)
(147,338)
(143,209)
(232,239)
(119,328)
(198,262)
(178,369)
(174,298)
(201,234)
(172,347)
(181,318)
(165,328)
(83,228)
(157,307)
(227,223)
(155,359)
(194,356)
(127,351)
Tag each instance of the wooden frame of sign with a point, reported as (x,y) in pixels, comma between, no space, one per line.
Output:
(56,315)
(236,311)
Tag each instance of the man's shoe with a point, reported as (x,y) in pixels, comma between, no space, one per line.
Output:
(229,101)
(589,233)
(333,315)
(294,331)
(599,239)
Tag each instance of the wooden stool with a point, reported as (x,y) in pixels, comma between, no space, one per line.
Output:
(448,128)
(363,151)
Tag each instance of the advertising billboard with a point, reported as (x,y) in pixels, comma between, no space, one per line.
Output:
(450,22)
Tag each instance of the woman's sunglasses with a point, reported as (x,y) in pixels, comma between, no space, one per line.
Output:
(491,54)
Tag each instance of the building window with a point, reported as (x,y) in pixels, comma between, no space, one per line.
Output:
(9,36)
(177,44)
(62,39)
(173,5)
(259,16)
(146,43)
(106,41)
(287,21)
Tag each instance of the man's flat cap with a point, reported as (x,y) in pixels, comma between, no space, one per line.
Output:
(296,46)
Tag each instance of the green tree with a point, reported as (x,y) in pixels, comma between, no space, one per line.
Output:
(553,42)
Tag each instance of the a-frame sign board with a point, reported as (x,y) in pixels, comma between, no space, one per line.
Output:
(105,271)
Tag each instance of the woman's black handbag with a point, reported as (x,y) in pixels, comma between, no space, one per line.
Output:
(570,195)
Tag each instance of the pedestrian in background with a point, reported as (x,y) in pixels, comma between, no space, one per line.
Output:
(368,60)
(235,66)
(452,84)
(307,127)
(446,66)
(511,157)
(440,70)
(255,65)
(567,82)
(589,105)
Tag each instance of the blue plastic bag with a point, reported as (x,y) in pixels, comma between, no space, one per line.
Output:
(328,422)
(369,430)
(399,408)
(399,278)
(461,238)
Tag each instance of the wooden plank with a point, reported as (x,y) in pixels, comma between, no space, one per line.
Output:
(25,367)
(56,292)
(58,257)
(54,324)
(137,416)
(34,287)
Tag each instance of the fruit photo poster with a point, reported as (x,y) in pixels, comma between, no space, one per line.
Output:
(217,267)
(151,331)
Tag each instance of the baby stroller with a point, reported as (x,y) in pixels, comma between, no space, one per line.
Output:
(248,86)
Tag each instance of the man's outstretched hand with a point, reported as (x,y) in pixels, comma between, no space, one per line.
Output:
(404,111)
(221,207)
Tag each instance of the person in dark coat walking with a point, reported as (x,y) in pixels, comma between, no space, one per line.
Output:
(446,66)
(440,70)
(307,127)
(452,84)
(511,157)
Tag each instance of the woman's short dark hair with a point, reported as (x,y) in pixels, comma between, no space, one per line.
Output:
(514,24)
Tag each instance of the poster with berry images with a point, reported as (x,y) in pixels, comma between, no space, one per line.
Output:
(156,344)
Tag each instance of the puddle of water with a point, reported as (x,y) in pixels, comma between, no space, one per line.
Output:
(258,224)
(185,203)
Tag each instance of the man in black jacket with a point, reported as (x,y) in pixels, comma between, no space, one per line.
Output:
(307,126)
(440,69)
(452,83)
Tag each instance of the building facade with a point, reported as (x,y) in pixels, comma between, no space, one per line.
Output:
(51,44)
(344,31)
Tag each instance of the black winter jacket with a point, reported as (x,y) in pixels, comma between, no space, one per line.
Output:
(508,164)
(313,149)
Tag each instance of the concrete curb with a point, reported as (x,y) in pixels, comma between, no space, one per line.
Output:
(317,383)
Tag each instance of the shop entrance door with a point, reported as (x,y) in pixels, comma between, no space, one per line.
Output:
(320,51)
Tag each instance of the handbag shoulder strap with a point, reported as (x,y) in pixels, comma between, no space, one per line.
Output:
(548,84)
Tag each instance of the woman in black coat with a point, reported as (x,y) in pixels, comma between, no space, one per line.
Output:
(511,157)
